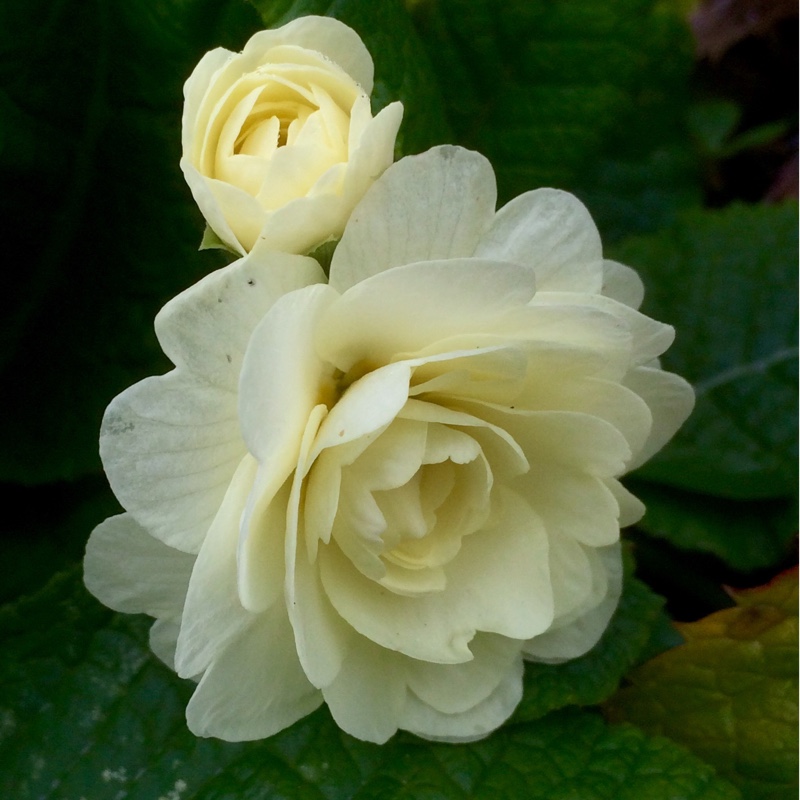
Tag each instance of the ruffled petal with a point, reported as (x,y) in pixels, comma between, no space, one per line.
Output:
(128,570)
(254,686)
(552,232)
(170,446)
(427,207)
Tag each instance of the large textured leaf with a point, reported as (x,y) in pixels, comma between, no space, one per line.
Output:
(592,678)
(727,281)
(85,711)
(582,95)
(745,534)
(730,692)
(100,229)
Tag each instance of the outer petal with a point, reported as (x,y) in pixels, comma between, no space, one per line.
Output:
(213,615)
(473,723)
(581,634)
(402,310)
(552,232)
(128,570)
(426,207)
(170,446)
(671,400)
(206,328)
(255,687)
(622,283)
(335,40)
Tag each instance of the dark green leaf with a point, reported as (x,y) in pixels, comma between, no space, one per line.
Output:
(582,96)
(402,69)
(593,677)
(727,281)
(85,711)
(100,224)
(746,535)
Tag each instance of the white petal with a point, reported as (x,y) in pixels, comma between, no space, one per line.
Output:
(552,232)
(368,695)
(213,614)
(164,639)
(498,583)
(372,154)
(581,634)
(255,686)
(281,382)
(335,40)
(650,338)
(170,446)
(405,309)
(455,688)
(622,283)
(475,722)
(206,328)
(426,207)
(322,639)
(671,400)
(128,570)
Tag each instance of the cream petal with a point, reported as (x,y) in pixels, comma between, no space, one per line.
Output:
(670,399)
(623,284)
(322,639)
(212,208)
(213,614)
(281,380)
(427,207)
(650,338)
(498,583)
(573,504)
(206,328)
(406,308)
(164,639)
(170,445)
(455,688)
(234,215)
(302,224)
(255,686)
(367,407)
(194,92)
(335,40)
(552,232)
(469,725)
(631,509)
(371,147)
(128,570)
(368,694)
(580,635)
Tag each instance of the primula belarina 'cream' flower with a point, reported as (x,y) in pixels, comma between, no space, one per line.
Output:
(387,491)
(279,142)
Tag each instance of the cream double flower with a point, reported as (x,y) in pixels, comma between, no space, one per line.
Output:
(387,491)
(279,142)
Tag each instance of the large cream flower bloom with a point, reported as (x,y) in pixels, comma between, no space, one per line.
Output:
(279,142)
(386,492)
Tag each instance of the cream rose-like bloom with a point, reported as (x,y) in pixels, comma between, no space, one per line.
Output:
(387,491)
(279,142)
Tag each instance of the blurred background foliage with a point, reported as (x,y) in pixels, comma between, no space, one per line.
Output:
(674,121)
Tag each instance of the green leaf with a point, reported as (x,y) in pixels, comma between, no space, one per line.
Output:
(594,677)
(85,711)
(584,96)
(402,69)
(100,228)
(730,692)
(727,281)
(746,535)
